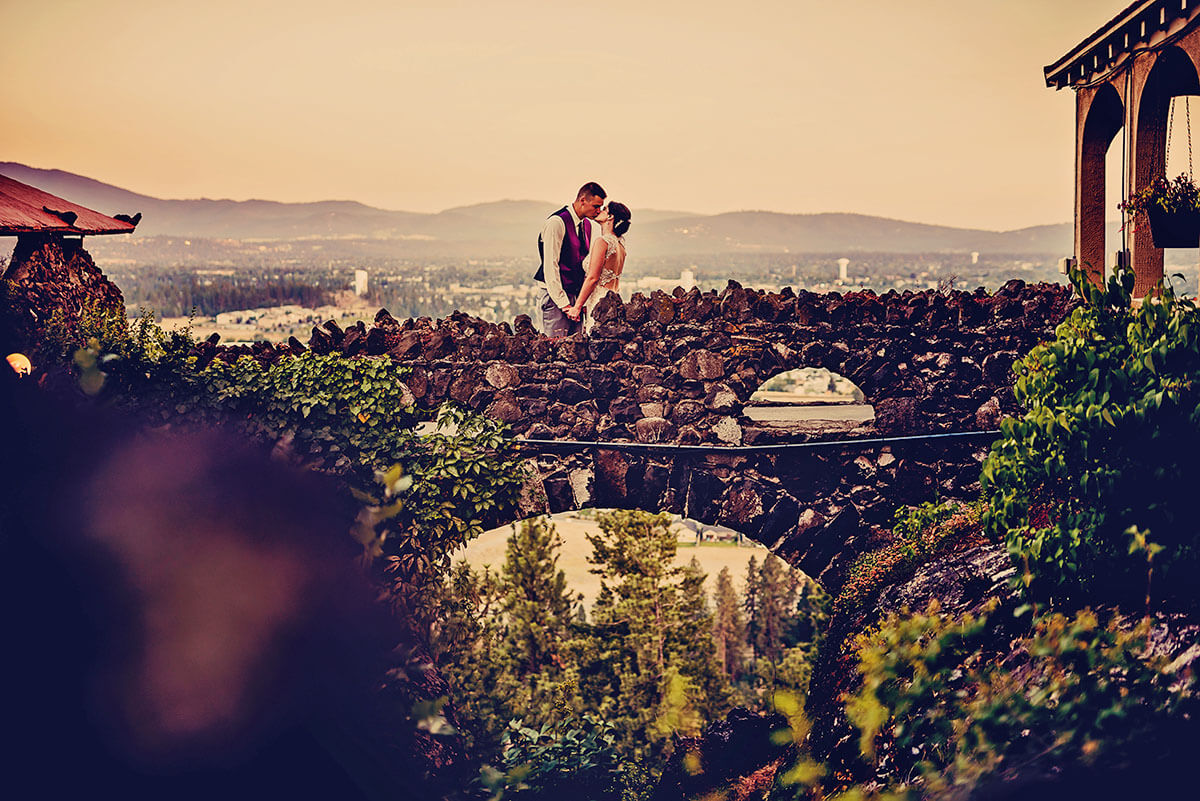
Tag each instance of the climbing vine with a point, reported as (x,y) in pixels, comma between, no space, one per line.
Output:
(1107,442)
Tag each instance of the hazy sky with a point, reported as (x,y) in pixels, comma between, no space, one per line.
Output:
(927,110)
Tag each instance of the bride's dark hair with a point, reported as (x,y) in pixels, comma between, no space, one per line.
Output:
(621,215)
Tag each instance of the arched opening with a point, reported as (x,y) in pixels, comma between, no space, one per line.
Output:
(810,399)
(1100,172)
(674,626)
(714,547)
(1179,264)
(1172,75)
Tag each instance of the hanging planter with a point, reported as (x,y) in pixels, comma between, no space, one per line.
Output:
(1172,208)
(1174,229)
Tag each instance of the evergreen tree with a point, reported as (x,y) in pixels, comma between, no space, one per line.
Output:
(693,644)
(538,612)
(777,588)
(729,627)
(465,640)
(751,604)
(653,666)
(537,605)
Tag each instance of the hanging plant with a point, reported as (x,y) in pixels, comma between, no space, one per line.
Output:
(1172,209)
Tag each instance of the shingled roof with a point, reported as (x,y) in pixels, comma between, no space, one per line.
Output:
(27,210)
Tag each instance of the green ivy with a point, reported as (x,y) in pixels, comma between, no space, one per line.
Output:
(1108,440)
(423,495)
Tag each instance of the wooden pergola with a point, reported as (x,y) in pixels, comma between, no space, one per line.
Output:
(1124,76)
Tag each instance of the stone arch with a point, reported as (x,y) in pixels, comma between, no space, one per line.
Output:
(809,398)
(660,375)
(1172,74)
(1104,119)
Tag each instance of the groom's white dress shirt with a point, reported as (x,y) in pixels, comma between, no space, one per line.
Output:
(552,238)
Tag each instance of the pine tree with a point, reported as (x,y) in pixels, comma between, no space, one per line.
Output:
(751,604)
(538,613)
(465,639)
(537,605)
(777,587)
(729,627)
(654,655)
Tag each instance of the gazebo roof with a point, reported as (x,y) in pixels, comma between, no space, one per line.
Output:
(27,210)
(1146,23)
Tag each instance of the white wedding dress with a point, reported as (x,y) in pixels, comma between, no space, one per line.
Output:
(608,278)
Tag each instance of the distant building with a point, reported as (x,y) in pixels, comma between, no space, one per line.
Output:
(360,282)
(974,257)
(843,264)
(687,279)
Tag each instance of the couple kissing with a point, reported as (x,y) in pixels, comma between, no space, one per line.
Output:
(581,253)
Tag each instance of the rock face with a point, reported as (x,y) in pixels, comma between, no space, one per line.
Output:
(961,582)
(52,279)
(679,369)
(967,581)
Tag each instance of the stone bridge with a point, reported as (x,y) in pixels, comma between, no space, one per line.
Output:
(680,369)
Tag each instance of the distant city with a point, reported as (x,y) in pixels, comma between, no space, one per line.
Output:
(247,290)
(261,270)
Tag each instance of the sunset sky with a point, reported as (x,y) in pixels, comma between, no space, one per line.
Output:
(927,110)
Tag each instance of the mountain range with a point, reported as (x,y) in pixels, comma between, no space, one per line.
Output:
(508,227)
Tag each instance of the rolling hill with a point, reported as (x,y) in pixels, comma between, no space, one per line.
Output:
(509,227)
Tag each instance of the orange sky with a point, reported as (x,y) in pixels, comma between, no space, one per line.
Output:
(926,110)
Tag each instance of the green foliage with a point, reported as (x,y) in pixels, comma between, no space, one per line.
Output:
(1107,441)
(651,665)
(422,497)
(937,705)
(536,603)
(110,330)
(569,759)
(914,522)
(729,627)
(466,637)
(919,532)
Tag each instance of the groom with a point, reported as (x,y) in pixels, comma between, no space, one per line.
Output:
(562,250)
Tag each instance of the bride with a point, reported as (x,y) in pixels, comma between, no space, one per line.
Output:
(606,259)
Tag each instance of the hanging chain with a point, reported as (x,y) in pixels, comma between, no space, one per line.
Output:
(1187,110)
(1170,130)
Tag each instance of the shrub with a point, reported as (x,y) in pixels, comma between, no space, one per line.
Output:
(574,758)
(1108,441)
(1073,693)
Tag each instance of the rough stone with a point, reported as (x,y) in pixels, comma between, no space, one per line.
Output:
(702,365)
(500,375)
(988,415)
(727,430)
(721,400)
(654,429)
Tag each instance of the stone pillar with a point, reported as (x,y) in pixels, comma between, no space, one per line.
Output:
(1147,160)
(1098,118)
(52,281)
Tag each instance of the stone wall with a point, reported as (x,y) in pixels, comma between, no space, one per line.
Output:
(680,369)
